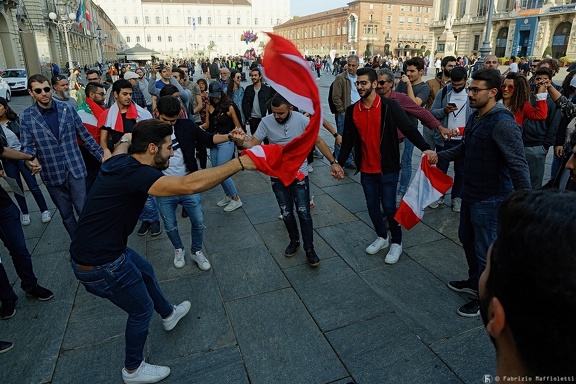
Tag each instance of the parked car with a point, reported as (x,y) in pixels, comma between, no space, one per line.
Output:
(5,90)
(16,79)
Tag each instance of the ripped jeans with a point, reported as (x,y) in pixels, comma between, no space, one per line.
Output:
(296,193)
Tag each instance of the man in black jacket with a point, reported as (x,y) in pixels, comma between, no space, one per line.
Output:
(254,112)
(184,137)
(370,127)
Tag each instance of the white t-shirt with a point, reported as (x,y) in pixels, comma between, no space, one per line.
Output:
(457,119)
(177,166)
(514,67)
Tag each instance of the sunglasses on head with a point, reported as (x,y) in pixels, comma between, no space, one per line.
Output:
(39,90)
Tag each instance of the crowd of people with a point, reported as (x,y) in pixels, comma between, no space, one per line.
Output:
(135,143)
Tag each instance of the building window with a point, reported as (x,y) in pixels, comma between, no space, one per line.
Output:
(370,29)
(127,39)
(417,20)
(189,20)
(461,7)
(402,8)
(533,4)
(169,38)
(148,38)
(255,21)
(409,19)
(159,39)
(167,20)
(416,37)
(419,9)
(137,39)
(199,20)
(237,21)
(125,19)
(371,17)
(157,20)
(482,7)
(399,37)
(229,21)
(136,20)
(278,21)
(425,21)
(229,38)
(410,8)
(401,19)
(389,20)
(408,36)
(146,19)
(209,20)
(389,7)
(476,42)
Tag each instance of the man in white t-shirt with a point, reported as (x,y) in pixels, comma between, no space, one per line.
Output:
(452,109)
(281,127)
(513,66)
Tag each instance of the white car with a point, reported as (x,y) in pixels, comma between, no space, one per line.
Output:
(16,79)
(5,90)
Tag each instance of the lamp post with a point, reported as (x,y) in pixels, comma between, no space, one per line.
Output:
(485,48)
(99,38)
(65,24)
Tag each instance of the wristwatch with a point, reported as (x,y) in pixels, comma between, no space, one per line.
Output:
(335,134)
(32,158)
(333,162)
(125,140)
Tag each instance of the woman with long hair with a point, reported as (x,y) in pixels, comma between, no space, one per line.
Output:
(568,90)
(516,97)
(221,117)
(201,152)
(15,169)
(236,92)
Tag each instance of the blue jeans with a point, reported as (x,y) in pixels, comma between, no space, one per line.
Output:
(340,129)
(12,236)
(129,283)
(68,197)
(15,168)
(149,211)
(406,172)
(193,205)
(477,231)
(296,193)
(380,190)
(221,154)
(458,167)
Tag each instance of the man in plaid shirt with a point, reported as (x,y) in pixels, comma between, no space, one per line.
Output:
(48,132)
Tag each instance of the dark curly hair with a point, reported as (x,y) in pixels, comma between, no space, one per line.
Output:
(521,93)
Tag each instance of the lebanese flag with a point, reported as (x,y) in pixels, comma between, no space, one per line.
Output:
(289,74)
(429,184)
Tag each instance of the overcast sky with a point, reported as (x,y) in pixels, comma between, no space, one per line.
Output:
(308,7)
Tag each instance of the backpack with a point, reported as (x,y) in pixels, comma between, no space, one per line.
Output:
(330,101)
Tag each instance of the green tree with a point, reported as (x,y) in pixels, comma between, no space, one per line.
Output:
(547,51)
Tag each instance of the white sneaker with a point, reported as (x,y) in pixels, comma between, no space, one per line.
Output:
(377,245)
(456,204)
(310,169)
(46,217)
(437,203)
(224,202)
(146,373)
(201,260)
(232,205)
(179,258)
(393,254)
(25,219)
(179,312)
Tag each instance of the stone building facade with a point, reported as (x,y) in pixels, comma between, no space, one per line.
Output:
(184,28)
(385,27)
(29,39)
(522,28)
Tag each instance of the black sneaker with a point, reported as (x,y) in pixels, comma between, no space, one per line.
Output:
(40,293)
(184,213)
(292,248)
(5,346)
(7,311)
(155,228)
(463,286)
(313,259)
(471,309)
(144,228)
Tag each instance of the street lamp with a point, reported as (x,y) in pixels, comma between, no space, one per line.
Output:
(99,37)
(65,24)
(485,48)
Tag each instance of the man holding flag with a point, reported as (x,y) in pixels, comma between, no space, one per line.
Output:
(281,127)
(370,127)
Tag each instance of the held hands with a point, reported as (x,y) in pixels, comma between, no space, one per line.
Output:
(336,171)
(432,156)
(542,86)
(239,136)
(33,165)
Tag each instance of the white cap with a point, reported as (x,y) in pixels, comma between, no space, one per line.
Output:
(130,75)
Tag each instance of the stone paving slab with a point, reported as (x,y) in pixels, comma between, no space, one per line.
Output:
(350,299)
(384,350)
(279,341)
(350,196)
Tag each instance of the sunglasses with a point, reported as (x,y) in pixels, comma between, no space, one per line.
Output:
(382,82)
(507,87)
(39,90)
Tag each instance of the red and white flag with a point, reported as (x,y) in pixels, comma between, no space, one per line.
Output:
(289,74)
(429,184)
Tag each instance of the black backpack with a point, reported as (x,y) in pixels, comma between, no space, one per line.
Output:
(330,102)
